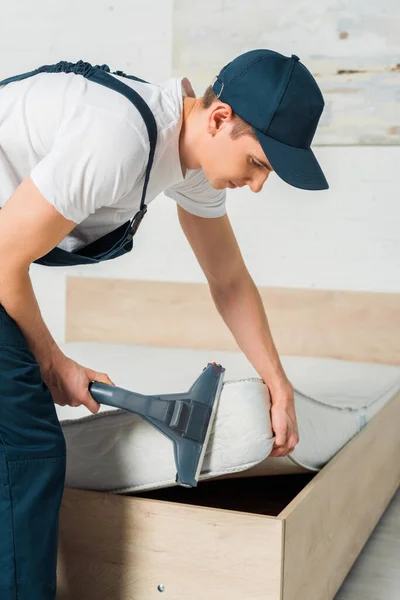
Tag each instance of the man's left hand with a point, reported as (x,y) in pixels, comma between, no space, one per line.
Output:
(283,418)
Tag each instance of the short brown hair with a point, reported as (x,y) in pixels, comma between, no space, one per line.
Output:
(240,127)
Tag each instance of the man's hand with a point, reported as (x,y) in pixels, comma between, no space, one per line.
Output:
(68,382)
(283,418)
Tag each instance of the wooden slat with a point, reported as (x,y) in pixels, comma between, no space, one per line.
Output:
(360,326)
(124,547)
(328,523)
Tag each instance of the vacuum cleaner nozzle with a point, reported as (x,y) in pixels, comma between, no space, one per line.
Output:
(185,418)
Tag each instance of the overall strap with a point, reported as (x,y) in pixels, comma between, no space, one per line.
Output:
(103,78)
(101,74)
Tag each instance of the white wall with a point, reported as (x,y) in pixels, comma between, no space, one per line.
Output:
(352,47)
(346,238)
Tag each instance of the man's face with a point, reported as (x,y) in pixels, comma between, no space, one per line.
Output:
(230,163)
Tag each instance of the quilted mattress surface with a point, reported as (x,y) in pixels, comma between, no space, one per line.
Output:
(119,452)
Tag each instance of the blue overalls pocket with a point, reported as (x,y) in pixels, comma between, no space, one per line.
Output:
(7,567)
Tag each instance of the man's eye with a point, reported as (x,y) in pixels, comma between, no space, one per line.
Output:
(256,164)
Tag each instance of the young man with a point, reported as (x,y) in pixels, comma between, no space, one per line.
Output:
(80,155)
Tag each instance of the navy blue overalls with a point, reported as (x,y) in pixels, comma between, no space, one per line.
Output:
(32,445)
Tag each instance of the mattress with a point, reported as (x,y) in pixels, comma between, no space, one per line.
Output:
(119,452)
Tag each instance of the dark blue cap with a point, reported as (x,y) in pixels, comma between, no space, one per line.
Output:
(280,98)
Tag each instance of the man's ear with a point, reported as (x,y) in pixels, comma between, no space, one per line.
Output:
(220,116)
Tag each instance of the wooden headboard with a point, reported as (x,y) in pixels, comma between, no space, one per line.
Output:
(361,326)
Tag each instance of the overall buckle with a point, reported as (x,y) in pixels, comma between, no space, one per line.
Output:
(137,219)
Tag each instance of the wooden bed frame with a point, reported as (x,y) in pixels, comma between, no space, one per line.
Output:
(272,538)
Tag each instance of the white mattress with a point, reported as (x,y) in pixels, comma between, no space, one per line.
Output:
(119,452)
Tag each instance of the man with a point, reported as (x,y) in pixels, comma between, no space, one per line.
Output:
(77,161)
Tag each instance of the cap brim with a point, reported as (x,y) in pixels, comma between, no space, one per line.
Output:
(297,166)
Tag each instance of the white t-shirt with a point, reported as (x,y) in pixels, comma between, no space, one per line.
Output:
(86,148)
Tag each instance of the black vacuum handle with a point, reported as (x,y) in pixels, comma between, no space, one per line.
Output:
(101,392)
(111,395)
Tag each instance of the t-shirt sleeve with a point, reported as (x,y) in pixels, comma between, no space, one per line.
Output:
(95,160)
(196,195)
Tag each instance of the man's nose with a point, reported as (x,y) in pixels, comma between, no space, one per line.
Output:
(256,184)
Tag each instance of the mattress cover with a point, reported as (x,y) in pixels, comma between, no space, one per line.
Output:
(119,452)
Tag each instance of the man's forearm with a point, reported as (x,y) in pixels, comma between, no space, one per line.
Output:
(18,298)
(241,308)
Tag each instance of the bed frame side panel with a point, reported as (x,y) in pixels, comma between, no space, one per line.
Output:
(125,547)
(328,523)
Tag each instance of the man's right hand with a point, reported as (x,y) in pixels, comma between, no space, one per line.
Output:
(68,382)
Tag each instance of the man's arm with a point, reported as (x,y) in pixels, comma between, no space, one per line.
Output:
(238,301)
(29,228)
